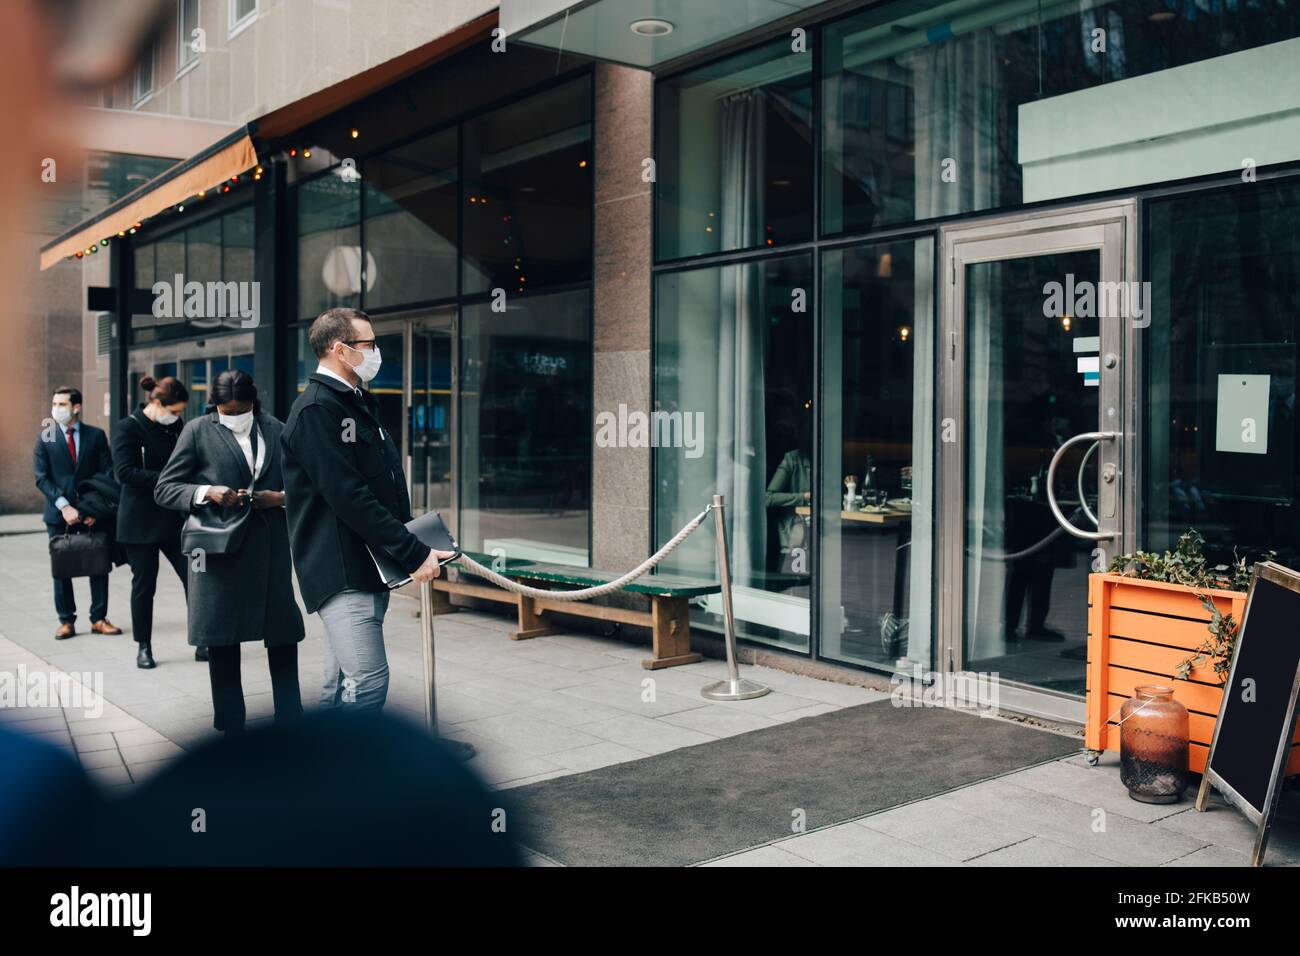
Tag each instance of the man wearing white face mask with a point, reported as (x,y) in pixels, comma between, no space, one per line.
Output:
(67,453)
(345,493)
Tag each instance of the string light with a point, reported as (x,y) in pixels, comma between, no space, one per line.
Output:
(355,132)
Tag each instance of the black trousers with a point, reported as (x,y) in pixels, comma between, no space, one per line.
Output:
(228,689)
(1030,576)
(65,603)
(143,559)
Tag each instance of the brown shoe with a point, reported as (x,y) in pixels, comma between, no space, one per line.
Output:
(64,632)
(104,627)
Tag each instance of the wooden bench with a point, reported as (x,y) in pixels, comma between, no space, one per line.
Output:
(668,616)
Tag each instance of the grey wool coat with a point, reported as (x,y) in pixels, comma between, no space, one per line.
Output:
(246,596)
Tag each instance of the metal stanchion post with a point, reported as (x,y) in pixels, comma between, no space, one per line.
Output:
(734,687)
(458,748)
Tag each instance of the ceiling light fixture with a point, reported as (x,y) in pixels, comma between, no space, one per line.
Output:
(651,27)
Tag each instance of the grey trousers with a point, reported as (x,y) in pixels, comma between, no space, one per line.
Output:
(356,668)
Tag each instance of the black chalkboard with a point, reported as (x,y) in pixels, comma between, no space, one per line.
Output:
(1252,739)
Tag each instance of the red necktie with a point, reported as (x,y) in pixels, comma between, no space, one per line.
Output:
(72,448)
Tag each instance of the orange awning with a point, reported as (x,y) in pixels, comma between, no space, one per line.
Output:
(230,156)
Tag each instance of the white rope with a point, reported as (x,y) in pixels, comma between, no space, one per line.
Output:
(586,594)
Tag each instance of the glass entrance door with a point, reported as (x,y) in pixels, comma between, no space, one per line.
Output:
(1032,445)
(430,430)
(416,392)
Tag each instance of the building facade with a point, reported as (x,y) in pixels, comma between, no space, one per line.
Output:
(915,286)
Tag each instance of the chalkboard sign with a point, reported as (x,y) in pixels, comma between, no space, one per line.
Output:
(1252,739)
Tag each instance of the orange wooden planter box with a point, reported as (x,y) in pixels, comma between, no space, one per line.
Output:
(1138,632)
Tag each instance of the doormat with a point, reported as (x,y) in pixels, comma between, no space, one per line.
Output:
(701,802)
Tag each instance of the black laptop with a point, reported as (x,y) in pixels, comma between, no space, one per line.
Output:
(431,531)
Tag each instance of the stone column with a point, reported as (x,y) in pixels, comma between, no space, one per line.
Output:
(620,513)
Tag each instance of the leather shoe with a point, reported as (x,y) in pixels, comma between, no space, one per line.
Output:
(200,653)
(65,631)
(144,658)
(104,627)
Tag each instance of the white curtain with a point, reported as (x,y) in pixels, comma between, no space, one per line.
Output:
(956,83)
(742,445)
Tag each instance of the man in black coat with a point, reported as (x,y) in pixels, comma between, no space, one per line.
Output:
(67,453)
(345,492)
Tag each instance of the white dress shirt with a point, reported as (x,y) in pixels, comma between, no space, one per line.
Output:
(245,442)
(322,370)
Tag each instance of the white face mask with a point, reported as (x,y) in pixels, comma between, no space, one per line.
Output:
(167,418)
(61,414)
(370,362)
(239,424)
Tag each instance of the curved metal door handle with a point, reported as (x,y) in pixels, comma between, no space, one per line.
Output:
(1051,476)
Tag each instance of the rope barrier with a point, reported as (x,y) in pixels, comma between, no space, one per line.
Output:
(587,594)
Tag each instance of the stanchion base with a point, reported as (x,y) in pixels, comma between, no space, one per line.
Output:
(459,749)
(741,689)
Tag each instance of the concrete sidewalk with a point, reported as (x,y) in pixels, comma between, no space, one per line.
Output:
(569,703)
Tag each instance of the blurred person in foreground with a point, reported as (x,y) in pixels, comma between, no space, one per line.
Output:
(332,789)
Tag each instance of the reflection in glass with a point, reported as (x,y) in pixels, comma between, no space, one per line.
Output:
(410,226)
(528,191)
(525,452)
(877,567)
(195,362)
(330,268)
(735,154)
(214,250)
(1221,372)
(430,427)
(1026,579)
(733,378)
(936,109)
(237,245)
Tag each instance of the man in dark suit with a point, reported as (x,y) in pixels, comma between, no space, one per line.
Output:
(345,491)
(67,453)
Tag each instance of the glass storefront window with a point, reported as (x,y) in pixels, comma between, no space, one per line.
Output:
(735,154)
(330,268)
(957,107)
(213,251)
(734,379)
(877,533)
(410,225)
(525,428)
(528,191)
(196,363)
(237,245)
(1222,429)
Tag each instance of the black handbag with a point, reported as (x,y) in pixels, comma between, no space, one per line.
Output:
(81,554)
(217,530)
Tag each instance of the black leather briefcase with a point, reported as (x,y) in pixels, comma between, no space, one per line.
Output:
(80,554)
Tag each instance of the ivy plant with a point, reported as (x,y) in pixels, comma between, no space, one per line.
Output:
(1186,565)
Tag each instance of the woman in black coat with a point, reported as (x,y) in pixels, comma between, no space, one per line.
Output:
(142,443)
(229,461)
